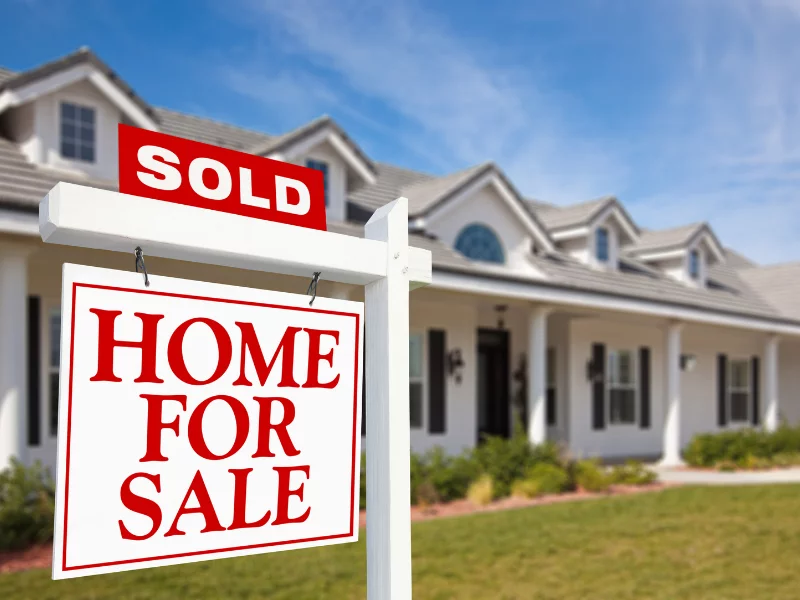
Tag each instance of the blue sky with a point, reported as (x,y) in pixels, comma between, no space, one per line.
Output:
(687,110)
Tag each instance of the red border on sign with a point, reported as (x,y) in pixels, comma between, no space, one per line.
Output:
(352,518)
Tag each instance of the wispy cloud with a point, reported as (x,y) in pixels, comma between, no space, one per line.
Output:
(720,141)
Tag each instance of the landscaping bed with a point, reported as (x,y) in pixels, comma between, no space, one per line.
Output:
(745,450)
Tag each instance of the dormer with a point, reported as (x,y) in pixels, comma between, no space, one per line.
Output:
(63,115)
(592,232)
(682,253)
(480,214)
(324,146)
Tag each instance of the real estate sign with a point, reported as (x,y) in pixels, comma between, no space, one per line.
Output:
(199,420)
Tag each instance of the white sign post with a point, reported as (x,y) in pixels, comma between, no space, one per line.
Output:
(383,262)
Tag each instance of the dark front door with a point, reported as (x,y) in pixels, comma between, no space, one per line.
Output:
(493,376)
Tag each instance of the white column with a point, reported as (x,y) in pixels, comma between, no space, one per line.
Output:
(771,404)
(13,355)
(537,374)
(672,396)
(389,439)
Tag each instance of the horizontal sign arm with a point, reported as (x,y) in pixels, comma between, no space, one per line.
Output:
(76,215)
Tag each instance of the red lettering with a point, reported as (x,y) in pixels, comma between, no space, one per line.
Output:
(138,504)
(265,427)
(314,357)
(286,345)
(284,478)
(205,507)
(175,351)
(198,442)
(155,408)
(240,502)
(106,343)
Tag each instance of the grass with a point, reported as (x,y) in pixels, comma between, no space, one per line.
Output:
(698,543)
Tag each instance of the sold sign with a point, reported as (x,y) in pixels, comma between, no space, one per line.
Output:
(173,169)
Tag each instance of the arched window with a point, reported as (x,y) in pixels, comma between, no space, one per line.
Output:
(478,242)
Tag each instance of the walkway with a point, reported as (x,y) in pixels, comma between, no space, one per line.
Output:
(698,477)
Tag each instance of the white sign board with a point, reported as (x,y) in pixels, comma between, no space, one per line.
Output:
(201,421)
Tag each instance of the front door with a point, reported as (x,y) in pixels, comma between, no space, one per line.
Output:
(493,380)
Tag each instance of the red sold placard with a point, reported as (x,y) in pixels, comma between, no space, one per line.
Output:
(173,169)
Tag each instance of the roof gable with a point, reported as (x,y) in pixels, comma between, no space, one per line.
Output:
(428,198)
(314,133)
(575,220)
(28,85)
(666,242)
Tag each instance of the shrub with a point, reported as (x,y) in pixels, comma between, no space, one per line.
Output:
(418,476)
(427,494)
(505,460)
(525,488)
(632,473)
(591,477)
(725,465)
(786,459)
(738,446)
(549,478)
(362,496)
(27,506)
(450,476)
(481,492)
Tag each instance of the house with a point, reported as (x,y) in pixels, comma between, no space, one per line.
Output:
(610,339)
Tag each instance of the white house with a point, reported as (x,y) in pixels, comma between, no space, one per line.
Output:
(610,339)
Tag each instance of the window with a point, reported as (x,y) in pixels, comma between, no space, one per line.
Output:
(54,347)
(694,264)
(739,390)
(318,165)
(601,240)
(415,380)
(77,132)
(621,387)
(478,242)
(551,386)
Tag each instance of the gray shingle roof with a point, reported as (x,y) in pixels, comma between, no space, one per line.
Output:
(5,75)
(80,56)
(209,131)
(280,142)
(426,194)
(561,217)
(391,181)
(675,237)
(778,285)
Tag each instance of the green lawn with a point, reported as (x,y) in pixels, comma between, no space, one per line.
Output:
(682,543)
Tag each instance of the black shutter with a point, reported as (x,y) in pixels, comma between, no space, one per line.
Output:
(599,386)
(551,405)
(644,387)
(437,398)
(755,389)
(364,385)
(722,390)
(34,371)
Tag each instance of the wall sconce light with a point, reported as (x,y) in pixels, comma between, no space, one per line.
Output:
(594,372)
(688,362)
(454,364)
(501,310)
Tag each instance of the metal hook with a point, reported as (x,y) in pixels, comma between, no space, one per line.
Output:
(312,287)
(140,261)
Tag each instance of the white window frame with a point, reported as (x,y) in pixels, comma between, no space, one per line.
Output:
(421,379)
(78,103)
(616,385)
(747,390)
(607,231)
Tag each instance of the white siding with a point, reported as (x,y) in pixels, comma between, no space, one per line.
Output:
(337,178)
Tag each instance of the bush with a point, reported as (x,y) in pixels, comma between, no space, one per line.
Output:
(549,478)
(481,492)
(632,473)
(786,459)
(591,477)
(362,496)
(427,494)
(505,460)
(726,465)
(525,488)
(450,476)
(742,446)
(27,506)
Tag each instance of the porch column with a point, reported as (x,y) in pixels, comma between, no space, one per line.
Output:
(672,396)
(537,374)
(771,404)
(13,354)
